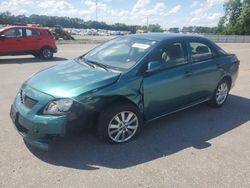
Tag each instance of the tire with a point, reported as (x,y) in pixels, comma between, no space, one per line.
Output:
(46,53)
(221,94)
(112,129)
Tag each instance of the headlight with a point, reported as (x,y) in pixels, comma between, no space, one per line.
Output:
(58,107)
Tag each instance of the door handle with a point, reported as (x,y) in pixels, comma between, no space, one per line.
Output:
(39,39)
(188,73)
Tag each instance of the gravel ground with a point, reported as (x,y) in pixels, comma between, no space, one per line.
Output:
(198,147)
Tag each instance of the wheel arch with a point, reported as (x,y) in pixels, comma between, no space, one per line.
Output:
(112,100)
(107,102)
(45,46)
(229,79)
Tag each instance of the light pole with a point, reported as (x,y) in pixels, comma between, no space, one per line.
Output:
(147,24)
(96,6)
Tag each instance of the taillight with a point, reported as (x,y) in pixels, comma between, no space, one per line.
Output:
(238,61)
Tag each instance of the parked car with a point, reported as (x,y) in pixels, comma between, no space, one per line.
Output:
(123,84)
(22,40)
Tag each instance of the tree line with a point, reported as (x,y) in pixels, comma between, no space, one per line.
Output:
(236,21)
(51,21)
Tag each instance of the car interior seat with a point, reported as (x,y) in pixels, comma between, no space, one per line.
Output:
(202,49)
(17,33)
(173,55)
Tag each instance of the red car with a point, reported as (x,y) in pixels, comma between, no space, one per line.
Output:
(21,40)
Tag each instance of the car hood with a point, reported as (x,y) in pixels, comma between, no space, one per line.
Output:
(71,79)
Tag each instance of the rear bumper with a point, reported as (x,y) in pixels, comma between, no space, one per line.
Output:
(234,75)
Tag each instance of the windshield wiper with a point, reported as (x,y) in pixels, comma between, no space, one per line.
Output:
(85,62)
(94,64)
(99,65)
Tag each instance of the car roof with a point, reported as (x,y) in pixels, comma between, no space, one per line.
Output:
(167,36)
(23,27)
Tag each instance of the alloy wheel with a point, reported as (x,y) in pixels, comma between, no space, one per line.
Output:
(123,126)
(222,93)
(47,53)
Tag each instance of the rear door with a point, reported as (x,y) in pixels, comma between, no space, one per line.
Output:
(32,39)
(206,71)
(169,88)
(13,41)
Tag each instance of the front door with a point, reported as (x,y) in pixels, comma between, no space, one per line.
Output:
(12,41)
(168,89)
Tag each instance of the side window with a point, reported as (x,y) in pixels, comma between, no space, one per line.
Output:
(172,54)
(200,51)
(32,32)
(13,33)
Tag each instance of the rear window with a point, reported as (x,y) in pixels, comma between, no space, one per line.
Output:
(200,51)
(222,52)
(48,32)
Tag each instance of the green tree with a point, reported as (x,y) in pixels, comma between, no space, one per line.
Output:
(51,21)
(221,25)
(189,29)
(174,30)
(233,10)
(243,23)
(155,28)
(236,18)
(7,18)
(246,3)
(152,28)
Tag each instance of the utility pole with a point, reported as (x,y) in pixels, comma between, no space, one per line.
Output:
(96,6)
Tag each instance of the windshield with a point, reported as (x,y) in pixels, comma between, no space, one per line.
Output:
(121,53)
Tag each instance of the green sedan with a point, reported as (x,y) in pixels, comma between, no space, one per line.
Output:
(121,85)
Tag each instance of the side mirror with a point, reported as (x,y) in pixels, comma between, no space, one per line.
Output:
(2,37)
(153,66)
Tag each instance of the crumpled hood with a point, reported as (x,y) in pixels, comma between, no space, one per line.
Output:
(71,79)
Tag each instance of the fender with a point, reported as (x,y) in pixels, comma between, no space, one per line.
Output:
(127,90)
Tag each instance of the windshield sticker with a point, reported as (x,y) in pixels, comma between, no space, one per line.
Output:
(141,46)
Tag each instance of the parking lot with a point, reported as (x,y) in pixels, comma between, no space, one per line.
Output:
(198,147)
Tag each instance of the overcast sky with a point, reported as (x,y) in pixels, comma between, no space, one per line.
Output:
(168,13)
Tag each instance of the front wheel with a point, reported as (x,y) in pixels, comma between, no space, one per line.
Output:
(220,94)
(119,123)
(46,53)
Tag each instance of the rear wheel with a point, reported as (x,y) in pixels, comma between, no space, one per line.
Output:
(220,94)
(119,123)
(46,53)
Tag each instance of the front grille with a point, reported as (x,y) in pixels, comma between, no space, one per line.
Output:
(21,128)
(27,101)
(21,96)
